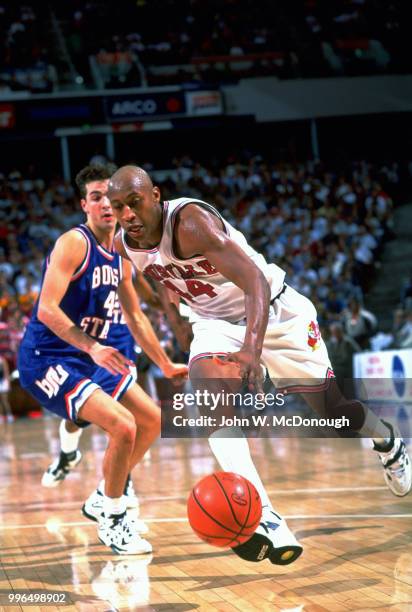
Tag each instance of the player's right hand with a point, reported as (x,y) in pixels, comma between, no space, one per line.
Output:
(110,358)
(250,369)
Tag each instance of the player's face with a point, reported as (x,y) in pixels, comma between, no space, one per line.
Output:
(97,206)
(137,211)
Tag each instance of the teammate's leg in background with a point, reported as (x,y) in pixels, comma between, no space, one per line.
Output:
(69,457)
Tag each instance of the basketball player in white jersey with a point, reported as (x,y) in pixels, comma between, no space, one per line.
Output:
(246,317)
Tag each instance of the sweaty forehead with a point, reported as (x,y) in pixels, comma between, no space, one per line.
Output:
(131,180)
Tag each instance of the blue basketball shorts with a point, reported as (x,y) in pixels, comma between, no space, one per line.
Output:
(62,384)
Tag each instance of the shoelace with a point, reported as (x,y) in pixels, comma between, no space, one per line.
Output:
(397,467)
(124,533)
(62,466)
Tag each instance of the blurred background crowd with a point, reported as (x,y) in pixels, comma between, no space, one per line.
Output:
(156,42)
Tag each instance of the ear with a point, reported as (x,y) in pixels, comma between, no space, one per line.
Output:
(83,204)
(156,194)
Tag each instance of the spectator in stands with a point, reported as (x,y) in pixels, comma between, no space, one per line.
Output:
(6,267)
(403,335)
(7,292)
(360,324)
(98,158)
(5,408)
(16,324)
(341,348)
(406,297)
(398,322)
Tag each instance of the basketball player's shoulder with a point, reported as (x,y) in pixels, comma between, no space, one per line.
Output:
(119,245)
(72,243)
(191,214)
(196,223)
(183,201)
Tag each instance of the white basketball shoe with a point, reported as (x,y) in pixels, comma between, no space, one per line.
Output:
(93,510)
(397,469)
(60,468)
(119,533)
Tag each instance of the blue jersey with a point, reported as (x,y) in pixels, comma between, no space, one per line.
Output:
(119,337)
(90,301)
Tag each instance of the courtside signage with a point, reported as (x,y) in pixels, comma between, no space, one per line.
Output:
(144,106)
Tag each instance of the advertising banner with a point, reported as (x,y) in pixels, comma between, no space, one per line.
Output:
(144,106)
(204,103)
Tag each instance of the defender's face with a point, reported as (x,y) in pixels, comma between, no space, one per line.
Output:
(97,205)
(137,211)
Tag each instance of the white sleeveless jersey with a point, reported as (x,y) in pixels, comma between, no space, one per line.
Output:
(208,293)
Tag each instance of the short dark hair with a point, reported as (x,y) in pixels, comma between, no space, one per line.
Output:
(93,172)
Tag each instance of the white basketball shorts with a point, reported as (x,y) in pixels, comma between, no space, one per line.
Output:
(294,353)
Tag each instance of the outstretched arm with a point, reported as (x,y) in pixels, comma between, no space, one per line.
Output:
(141,328)
(146,291)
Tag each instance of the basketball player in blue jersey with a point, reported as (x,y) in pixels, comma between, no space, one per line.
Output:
(69,433)
(246,317)
(67,363)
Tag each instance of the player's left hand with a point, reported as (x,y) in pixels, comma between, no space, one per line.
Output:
(250,369)
(176,371)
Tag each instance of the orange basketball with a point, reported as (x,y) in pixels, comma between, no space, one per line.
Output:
(224,509)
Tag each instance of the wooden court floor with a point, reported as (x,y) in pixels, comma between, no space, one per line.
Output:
(357,536)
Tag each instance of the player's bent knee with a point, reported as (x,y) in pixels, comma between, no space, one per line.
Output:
(124,430)
(155,422)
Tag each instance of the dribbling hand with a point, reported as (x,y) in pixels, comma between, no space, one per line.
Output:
(110,358)
(250,369)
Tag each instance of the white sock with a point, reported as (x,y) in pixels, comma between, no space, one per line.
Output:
(113,505)
(375,429)
(233,455)
(68,441)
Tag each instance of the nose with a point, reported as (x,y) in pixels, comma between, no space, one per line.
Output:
(106,204)
(128,213)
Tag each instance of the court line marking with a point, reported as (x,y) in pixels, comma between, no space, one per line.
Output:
(184,520)
(143,499)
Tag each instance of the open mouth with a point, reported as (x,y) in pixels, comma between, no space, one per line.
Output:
(135,230)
